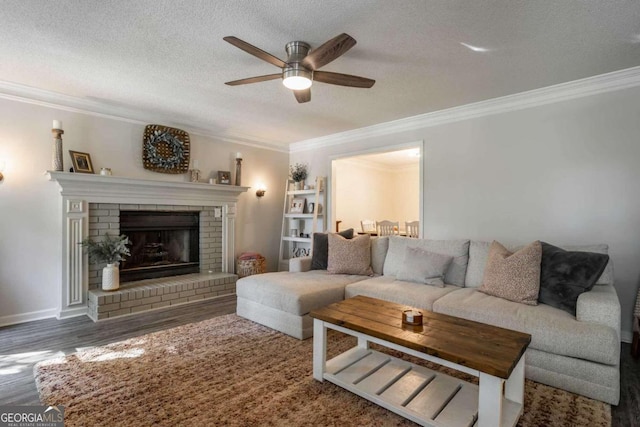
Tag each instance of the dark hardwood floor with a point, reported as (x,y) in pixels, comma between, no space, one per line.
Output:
(22,346)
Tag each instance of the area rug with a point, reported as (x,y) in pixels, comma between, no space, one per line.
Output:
(228,371)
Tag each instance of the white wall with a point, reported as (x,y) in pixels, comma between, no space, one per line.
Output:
(367,190)
(565,173)
(30,212)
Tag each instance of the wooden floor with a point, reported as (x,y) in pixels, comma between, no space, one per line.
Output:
(22,346)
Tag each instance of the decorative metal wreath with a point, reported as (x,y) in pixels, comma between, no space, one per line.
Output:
(165,149)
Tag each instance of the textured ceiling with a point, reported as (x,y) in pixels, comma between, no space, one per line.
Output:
(167,58)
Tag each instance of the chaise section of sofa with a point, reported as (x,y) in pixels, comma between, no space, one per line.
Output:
(283,300)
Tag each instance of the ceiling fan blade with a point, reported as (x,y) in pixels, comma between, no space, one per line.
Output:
(342,79)
(303,95)
(256,79)
(328,51)
(258,53)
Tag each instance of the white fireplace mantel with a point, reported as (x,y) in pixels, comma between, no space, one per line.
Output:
(78,190)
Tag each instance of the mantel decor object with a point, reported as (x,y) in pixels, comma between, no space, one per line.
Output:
(81,162)
(238,168)
(56,153)
(165,149)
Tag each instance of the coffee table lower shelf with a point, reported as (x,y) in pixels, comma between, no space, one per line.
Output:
(422,395)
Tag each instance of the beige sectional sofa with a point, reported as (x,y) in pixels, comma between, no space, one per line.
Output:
(579,353)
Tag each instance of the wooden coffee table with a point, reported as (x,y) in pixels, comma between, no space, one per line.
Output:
(428,397)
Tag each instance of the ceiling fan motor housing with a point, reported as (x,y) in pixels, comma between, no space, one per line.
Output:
(296,52)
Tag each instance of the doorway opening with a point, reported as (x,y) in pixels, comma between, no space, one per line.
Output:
(377,185)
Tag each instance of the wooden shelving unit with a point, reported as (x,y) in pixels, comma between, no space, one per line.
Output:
(305,222)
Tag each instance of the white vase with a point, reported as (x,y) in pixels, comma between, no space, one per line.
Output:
(110,277)
(298,185)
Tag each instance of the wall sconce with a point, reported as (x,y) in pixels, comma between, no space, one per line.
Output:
(2,165)
(261,190)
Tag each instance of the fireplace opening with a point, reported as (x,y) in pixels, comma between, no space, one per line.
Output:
(162,244)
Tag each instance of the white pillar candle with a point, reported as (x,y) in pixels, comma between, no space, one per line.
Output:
(57,124)
(238,155)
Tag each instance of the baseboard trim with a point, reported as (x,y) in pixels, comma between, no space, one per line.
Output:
(14,319)
(73,312)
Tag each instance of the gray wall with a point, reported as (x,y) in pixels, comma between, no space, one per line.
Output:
(566,173)
(30,213)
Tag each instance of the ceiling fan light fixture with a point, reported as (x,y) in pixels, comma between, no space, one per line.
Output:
(296,79)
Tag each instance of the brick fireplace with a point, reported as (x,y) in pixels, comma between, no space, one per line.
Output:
(92,205)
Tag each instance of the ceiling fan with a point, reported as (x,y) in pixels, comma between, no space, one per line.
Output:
(301,67)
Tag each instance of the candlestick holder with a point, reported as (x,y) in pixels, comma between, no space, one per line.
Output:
(238,171)
(56,153)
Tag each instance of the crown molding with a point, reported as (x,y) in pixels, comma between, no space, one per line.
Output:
(589,86)
(45,98)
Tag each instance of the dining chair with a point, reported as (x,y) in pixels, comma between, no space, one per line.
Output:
(387,228)
(412,228)
(368,226)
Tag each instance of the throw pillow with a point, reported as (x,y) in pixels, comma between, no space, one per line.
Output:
(321,248)
(422,266)
(564,275)
(349,256)
(513,276)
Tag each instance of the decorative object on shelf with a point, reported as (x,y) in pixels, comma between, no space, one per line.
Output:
(310,207)
(297,205)
(56,154)
(412,317)
(165,149)
(250,263)
(293,227)
(300,252)
(224,177)
(299,173)
(81,162)
(109,250)
(105,171)
(238,168)
(213,181)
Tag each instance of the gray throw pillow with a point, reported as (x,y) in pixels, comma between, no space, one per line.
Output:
(422,266)
(320,252)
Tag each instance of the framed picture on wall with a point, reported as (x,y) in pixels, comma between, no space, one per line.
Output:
(81,162)
(297,205)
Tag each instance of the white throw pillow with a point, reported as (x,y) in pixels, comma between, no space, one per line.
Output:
(422,266)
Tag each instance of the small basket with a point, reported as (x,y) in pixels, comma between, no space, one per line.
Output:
(248,267)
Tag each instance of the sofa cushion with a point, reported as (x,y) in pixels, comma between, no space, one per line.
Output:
(379,248)
(295,293)
(564,275)
(513,275)
(319,257)
(479,251)
(349,256)
(389,289)
(458,249)
(552,330)
(422,266)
